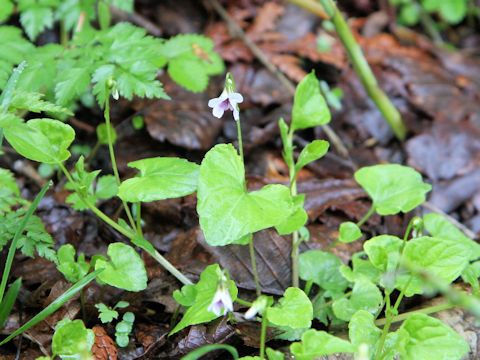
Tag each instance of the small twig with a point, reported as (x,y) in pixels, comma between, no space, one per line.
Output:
(238,32)
(471,234)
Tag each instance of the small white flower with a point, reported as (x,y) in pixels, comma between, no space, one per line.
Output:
(258,307)
(222,302)
(226,101)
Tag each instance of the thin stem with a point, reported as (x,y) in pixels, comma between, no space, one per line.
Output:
(240,141)
(429,25)
(295,236)
(367,216)
(170,268)
(138,213)
(125,232)
(364,72)
(388,322)
(111,151)
(253,260)
(263,336)
(428,310)
(16,238)
(243,302)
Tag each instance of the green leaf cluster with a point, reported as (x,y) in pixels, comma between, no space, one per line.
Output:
(35,238)
(87,185)
(450,11)
(123,329)
(9,192)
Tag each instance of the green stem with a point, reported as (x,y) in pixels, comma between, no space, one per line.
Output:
(240,141)
(295,236)
(243,302)
(386,328)
(263,335)
(367,216)
(111,151)
(16,238)
(363,70)
(138,213)
(125,232)
(253,260)
(428,310)
(429,25)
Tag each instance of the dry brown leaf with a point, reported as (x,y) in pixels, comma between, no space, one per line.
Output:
(104,347)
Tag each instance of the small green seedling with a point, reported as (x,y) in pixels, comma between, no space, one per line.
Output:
(123,329)
(107,314)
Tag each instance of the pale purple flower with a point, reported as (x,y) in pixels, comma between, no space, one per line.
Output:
(222,302)
(228,100)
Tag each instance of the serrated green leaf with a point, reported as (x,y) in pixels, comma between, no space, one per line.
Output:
(72,340)
(365,296)
(384,252)
(160,178)
(106,314)
(429,338)
(228,213)
(393,188)
(316,344)
(31,101)
(349,232)
(294,310)
(312,152)
(15,48)
(309,106)
(188,73)
(72,84)
(36,16)
(206,288)
(125,268)
(42,140)
(323,269)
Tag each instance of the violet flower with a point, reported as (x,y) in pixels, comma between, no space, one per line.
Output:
(228,100)
(222,301)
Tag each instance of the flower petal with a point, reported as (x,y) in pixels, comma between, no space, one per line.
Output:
(235,97)
(213,102)
(219,109)
(236,113)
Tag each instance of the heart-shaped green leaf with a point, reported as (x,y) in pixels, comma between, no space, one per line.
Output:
(365,296)
(124,270)
(323,269)
(294,310)
(42,140)
(309,107)
(228,213)
(393,188)
(160,178)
